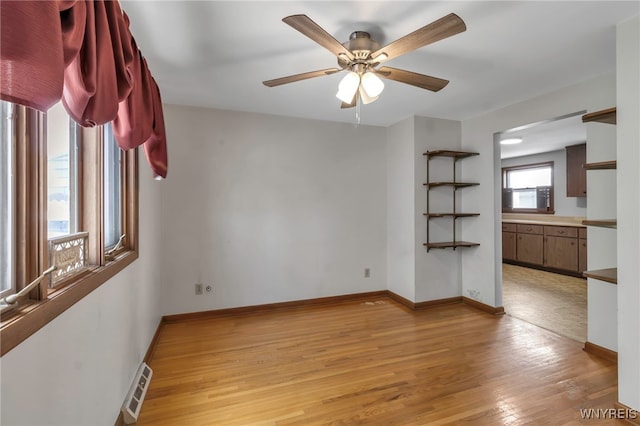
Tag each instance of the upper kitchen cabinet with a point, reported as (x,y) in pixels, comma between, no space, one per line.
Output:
(576,174)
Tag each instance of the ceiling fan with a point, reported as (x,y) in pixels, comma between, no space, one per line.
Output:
(361,56)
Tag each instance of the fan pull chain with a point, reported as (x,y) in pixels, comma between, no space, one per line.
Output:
(358,110)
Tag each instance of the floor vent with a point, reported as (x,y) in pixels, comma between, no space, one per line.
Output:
(133,403)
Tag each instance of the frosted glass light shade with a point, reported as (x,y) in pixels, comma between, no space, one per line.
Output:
(348,87)
(372,84)
(366,99)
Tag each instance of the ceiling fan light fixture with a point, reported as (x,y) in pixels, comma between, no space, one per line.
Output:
(366,99)
(372,84)
(348,87)
(361,54)
(511,141)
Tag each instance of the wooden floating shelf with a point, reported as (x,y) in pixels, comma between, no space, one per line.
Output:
(447,153)
(604,116)
(608,223)
(450,244)
(454,215)
(456,185)
(602,165)
(607,116)
(609,275)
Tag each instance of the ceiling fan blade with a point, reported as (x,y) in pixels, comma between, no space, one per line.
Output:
(306,26)
(298,77)
(444,27)
(413,78)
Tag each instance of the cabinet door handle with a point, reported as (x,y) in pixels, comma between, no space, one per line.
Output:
(560,232)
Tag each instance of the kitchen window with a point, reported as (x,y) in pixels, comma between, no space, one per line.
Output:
(528,188)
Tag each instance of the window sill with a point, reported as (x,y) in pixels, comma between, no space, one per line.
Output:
(17,325)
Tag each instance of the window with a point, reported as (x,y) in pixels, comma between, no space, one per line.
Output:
(112,189)
(7,207)
(62,173)
(67,193)
(528,188)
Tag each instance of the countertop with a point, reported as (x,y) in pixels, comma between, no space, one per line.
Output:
(529,219)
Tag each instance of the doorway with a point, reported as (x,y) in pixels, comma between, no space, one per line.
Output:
(536,205)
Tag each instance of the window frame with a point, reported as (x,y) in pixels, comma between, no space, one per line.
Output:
(9,153)
(112,246)
(31,254)
(550,209)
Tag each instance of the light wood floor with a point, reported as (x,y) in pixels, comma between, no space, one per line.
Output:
(553,301)
(372,362)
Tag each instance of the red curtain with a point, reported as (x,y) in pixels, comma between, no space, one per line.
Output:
(155,147)
(123,50)
(133,124)
(98,78)
(32,62)
(73,17)
(83,53)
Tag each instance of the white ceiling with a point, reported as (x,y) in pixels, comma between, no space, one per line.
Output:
(551,135)
(216,54)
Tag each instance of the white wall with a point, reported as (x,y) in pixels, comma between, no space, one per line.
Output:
(437,273)
(563,205)
(270,209)
(480,269)
(401,232)
(412,272)
(78,368)
(628,157)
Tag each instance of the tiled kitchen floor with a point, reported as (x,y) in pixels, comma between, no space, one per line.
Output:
(552,301)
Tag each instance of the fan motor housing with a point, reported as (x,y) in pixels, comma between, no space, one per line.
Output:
(361,44)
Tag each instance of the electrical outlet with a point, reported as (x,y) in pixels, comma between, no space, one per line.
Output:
(209,289)
(198,288)
(367,272)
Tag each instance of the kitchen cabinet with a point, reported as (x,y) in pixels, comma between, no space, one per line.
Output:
(582,250)
(561,247)
(556,248)
(509,241)
(576,174)
(529,245)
